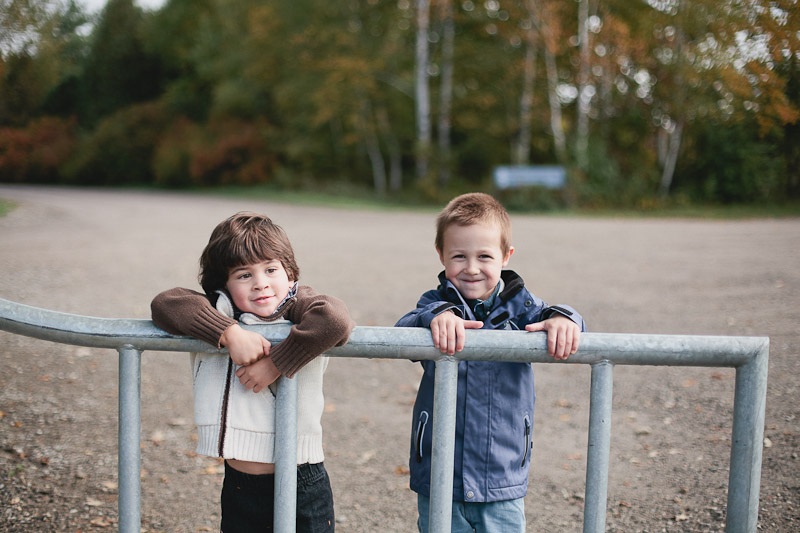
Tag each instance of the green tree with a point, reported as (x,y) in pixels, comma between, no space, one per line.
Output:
(790,135)
(21,22)
(172,34)
(65,49)
(730,163)
(39,49)
(712,61)
(118,71)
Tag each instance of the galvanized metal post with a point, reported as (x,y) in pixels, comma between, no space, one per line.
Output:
(444,435)
(749,355)
(594,509)
(130,423)
(749,407)
(285,520)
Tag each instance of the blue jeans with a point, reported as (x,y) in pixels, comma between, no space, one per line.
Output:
(507,516)
(248,501)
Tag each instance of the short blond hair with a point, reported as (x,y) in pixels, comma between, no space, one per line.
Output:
(472,208)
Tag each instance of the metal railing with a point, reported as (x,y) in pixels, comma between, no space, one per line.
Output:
(749,355)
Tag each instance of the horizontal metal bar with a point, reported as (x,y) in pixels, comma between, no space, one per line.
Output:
(398,343)
(748,354)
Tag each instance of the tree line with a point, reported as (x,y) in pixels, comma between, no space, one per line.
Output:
(640,100)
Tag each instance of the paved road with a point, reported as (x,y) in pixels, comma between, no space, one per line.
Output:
(102,253)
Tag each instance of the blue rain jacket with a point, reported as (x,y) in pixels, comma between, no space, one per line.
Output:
(494,409)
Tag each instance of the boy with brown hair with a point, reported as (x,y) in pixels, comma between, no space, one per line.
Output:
(495,400)
(249,274)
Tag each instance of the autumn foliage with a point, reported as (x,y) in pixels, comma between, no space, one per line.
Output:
(641,102)
(37,152)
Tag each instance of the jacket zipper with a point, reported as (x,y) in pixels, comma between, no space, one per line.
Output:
(224,414)
(527,441)
(423,421)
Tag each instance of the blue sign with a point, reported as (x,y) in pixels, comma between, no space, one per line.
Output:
(512,177)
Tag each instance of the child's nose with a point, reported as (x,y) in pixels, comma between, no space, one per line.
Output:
(260,282)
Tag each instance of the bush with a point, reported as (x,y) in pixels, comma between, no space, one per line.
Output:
(604,184)
(174,153)
(531,199)
(120,150)
(36,153)
(226,151)
(730,164)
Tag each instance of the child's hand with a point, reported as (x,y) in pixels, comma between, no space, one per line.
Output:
(259,375)
(447,331)
(245,347)
(563,335)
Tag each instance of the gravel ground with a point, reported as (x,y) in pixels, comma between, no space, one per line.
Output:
(107,253)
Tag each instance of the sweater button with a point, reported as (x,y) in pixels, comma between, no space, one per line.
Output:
(470,495)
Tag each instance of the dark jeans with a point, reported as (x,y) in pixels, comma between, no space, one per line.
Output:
(248,501)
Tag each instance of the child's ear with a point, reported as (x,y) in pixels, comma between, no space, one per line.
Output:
(441,257)
(508,255)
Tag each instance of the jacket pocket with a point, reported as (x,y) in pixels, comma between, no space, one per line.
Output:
(420,432)
(528,442)
(209,387)
(196,372)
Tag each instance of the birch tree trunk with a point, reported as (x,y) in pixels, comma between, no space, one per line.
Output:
(372,147)
(522,151)
(662,147)
(422,94)
(678,111)
(446,90)
(556,125)
(393,147)
(671,158)
(582,133)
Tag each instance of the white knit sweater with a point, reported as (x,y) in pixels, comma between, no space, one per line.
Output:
(250,417)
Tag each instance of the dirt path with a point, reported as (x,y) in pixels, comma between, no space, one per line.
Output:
(106,254)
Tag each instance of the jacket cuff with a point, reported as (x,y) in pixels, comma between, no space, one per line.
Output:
(557,310)
(209,325)
(289,357)
(446,307)
(431,312)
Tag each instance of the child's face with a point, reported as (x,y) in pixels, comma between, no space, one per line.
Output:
(473,259)
(259,288)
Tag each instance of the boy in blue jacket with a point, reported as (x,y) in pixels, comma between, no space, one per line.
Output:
(494,410)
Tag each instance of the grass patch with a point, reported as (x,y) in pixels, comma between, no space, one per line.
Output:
(711,212)
(359,198)
(346,198)
(6,206)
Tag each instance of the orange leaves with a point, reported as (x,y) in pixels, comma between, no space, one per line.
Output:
(226,151)
(34,153)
